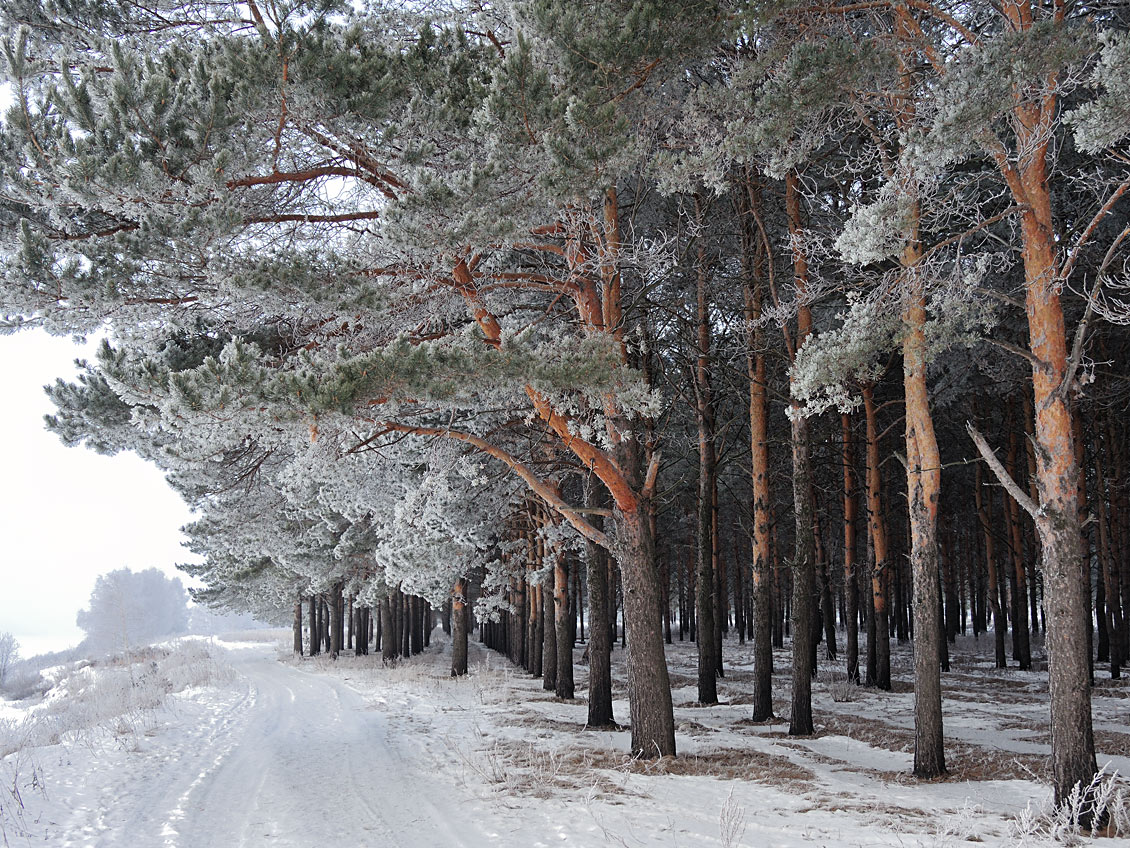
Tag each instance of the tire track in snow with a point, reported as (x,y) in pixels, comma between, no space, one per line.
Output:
(222,736)
(311,765)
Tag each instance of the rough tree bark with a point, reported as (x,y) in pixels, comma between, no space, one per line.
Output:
(600,640)
(877,527)
(653,726)
(548,628)
(562,625)
(804,578)
(705,601)
(458,628)
(1057,476)
(851,586)
(754,256)
(923,479)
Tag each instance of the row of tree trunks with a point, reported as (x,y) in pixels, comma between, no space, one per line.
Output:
(324,622)
(534,639)
(539,631)
(334,622)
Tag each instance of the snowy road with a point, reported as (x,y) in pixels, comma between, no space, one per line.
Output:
(298,762)
(263,753)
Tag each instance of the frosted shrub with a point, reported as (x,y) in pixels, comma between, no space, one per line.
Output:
(843,691)
(20,773)
(118,699)
(961,827)
(731,822)
(1106,797)
(191,664)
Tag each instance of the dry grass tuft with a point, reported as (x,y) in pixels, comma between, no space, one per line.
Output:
(967,762)
(729,764)
(877,734)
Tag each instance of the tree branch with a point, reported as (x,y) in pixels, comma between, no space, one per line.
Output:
(538,486)
(1005,479)
(1104,210)
(1081,330)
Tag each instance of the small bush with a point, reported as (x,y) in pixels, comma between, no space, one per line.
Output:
(25,685)
(1107,799)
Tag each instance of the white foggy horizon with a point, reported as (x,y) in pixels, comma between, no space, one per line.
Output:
(68,515)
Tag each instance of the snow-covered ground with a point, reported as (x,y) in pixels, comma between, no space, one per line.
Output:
(217,744)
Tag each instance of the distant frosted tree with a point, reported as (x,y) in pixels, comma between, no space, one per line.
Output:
(129,608)
(9,653)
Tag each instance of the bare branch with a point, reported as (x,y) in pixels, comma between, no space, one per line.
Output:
(1005,479)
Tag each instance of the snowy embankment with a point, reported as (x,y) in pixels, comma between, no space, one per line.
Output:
(220,744)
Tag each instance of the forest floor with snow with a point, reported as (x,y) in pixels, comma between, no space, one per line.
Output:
(210,743)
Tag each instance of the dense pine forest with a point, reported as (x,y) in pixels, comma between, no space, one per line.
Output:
(782,322)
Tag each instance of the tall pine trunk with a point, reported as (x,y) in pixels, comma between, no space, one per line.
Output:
(762,582)
(804,558)
(335,621)
(649,685)
(561,624)
(705,564)
(458,628)
(600,639)
(298,625)
(851,585)
(1057,475)
(923,478)
(547,592)
(879,631)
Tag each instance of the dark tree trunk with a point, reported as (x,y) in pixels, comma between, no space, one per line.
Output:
(335,621)
(561,621)
(578,607)
(851,587)
(872,664)
(1021,648)
(800,722)
(536,631)
(665,583)
(823,597)
(389,641)
(548,629)
(649,685)
(721,595)
(923,481)
(704,577)
(406,628)
(600,644)
(298,625)
(378,628)
(984,501)
(315,633)
(459,628)
(879,631)
(417,618)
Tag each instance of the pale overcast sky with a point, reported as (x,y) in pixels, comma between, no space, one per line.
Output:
(68,514)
